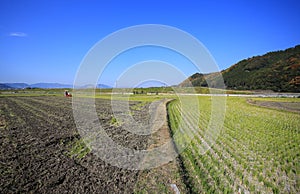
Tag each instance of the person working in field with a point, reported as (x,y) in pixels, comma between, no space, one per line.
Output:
(67,94)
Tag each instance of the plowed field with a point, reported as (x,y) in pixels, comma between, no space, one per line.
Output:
(42,151)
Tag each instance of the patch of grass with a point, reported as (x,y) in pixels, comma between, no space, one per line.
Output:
(33,92)
(78,148)
(115,122)
(138,106)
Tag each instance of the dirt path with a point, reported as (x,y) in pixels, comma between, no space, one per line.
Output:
(165,178)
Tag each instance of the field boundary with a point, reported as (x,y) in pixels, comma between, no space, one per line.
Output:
(281,106)
(166,178)
(182,170)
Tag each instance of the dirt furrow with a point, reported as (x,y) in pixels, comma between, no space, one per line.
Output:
(165,178)
(34,152)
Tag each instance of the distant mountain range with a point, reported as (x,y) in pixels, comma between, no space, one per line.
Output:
(16,85)
(278,71)
(5,86)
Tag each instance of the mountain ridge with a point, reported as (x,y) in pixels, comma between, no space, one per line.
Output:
(278,71)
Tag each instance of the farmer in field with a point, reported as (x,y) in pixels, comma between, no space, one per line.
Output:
(67,94)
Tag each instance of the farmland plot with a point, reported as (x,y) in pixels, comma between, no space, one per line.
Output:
(42,151)
(257,150)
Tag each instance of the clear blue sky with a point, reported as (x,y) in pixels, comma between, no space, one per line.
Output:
(45,41)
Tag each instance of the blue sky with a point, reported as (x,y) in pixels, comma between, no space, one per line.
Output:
(45,41)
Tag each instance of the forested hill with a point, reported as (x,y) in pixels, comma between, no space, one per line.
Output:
(278,71)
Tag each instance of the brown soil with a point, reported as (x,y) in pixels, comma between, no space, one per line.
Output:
(35,137)
(163,178)
(287,106)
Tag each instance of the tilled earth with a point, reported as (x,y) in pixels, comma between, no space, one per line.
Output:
(36,135)
(288,106)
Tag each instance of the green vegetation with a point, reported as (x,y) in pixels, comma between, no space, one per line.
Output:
(139,106)
(257,149)
(78,148)
(33,92)
(278,71)
(115,122)
(137,94)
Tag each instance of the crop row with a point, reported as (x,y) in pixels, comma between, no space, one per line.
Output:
(256,150)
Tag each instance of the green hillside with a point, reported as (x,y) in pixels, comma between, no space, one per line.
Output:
(278,71)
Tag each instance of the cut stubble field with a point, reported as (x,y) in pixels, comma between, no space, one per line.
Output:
(257,149)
